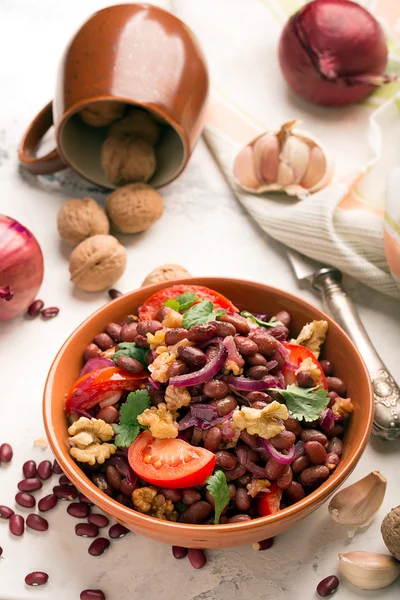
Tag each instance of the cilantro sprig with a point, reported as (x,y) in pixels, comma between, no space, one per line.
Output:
(203,312)
(130,349)
(218,488)
(273,322)
(182,302)
(129,427)
(303,403)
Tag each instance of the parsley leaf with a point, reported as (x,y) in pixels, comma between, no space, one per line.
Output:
(201,313)
(130,349)
(271,323)
(129,428)
(172,303)
(218,488)
(182,302)
(304,403)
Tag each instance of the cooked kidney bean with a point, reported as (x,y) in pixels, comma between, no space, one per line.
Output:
(113,477)
(332,460)
(16,525)
(141,341)
(79,510)
(127,488)
(65,492)
(292,424)
(256,359)
(313,435)
(332,398)
(29,469)
(242,500)
(91,351)
(83,498)
(178,367)
(295,492)
(285,478)
(314,475)
(215,389)
(239,518)
(173,336)
(179,552)
(284,317)
(212,439)
(257,372)
(264,544)
(280,359)
(245,346)
(5,512)
(99,546)
(335,431)
(36,578)
(100,481)
(193,357)
(6,453)
(335,445)
(145,327)
(266,343)
(196,514)
(259,405)
(336,385)
(326,367)
(244,480)
(50,312)
(225,460)
(273,469)
(253,397)
(316,452)
(298,449)
(327,586)
(202,333)
(47,503)
(44,470)
(56,468)
(173,495)
(128,332)
(225,405)
(35,308)
(197,436)
(224,329)
(109,414)
(99,520)
(250,440)
(104,341)
(240,323)
(304,379)
(29,485)
(299,464)
(117,531)
(25,499)
(197,558)
(283,440)
(114,331)
(190,496)
(280,332)
(87,530)
(92,595)
(124,499)
(130,364)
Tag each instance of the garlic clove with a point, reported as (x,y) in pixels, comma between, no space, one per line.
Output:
(244,171)
(316,168)
(296,153)
(356,505)
(266,158)
(369,570)
(285,175)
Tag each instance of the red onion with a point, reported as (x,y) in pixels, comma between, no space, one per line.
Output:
(284,459)
(96,363)
(204,374)
(250,385)
(21,268)
(333,52)
(155,384)
(204,412)
(271,364)
(227,432)
(327,419)
(249,465)
(282,350)
(233,354)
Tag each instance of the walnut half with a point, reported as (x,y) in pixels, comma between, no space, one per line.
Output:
(88,437)
(150,502)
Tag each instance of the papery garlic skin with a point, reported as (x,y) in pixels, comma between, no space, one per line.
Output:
(369,570)
(288,160)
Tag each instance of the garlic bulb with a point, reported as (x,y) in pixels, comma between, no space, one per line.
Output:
(288,160)
(356,505)
(390,530)
(369,570)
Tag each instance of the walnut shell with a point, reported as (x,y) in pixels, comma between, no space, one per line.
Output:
(97,263)
(80,218)
(133,208)
(165,273)
(139,124)
(390,530)
(100,114)
(126,159)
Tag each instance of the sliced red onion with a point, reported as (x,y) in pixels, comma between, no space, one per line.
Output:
(196,399)
(226,432)
(188,421)
(250,385)
(154,383)
(271,364)
(96,363)
(280,380)
(289,366)
(110,399)
(204,374)
(327,419)
(121,462)
(284,351)
(249,465)
(204,412)
(213,341)
(233,353)
(83,413)
(284,459)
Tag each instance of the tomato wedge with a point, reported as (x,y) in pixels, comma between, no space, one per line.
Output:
(170,463)
(297,355)
(150,308)
(89,390)
(268,503)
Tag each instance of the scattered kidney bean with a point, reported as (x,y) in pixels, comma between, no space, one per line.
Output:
(197,558)
(65,492)
(29,485)
(273,469)
(24,499)
(304,379)
(313,435)
(257,372)
(29,469)
(16,525)
(264,544)
(99,520)
(245,346)
(1,551)
(283,440)
(99,546)
(295,492)
(196,514)
(114,331)
(5,512)
(193,357)
(104,341)
(113,477)
(266,343)
(225,460)
(285,478)
(239,518)
(56,468)
(87,530)
(117,531)
(79,510)
(36,522)
(47,503)
(173,336)
(316,452)
(215,389)
(44,470)
(336,385)
(332,460)
(63,480)
(50,312)
(335,445)
(128,332)
(292,424)
(6,453)
(179,552)
(92,594)
(242,500)
(212,439)
(91,351)
(299,464)
(327,586)
(224,329)
(256,359)
(36,578)
(113,293)
(190,496)
(35,308)
(202,333)
(284,317)
(314,475)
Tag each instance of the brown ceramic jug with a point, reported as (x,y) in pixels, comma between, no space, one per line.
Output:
(136,54)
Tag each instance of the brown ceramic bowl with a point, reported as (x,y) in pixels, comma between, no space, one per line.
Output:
(255,297)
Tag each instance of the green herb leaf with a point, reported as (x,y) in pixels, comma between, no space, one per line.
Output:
(129,427)
(271,323)
(172,303)
(304,403)
(218,488)
(201,313)
(130,349)
(182,302)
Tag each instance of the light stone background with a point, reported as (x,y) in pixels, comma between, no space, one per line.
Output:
(205,229)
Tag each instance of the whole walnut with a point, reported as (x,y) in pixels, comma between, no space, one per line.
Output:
(80,218)
(390,529)
(165,273)
(100,114)
(138,123)
(97,263)
(126,159)
(133,208)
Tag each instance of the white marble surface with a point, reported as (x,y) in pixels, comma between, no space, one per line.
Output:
(205,229)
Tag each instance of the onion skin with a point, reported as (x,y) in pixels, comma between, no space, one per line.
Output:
(21,267)
(329,49)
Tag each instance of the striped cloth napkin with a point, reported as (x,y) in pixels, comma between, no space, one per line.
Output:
(354,223)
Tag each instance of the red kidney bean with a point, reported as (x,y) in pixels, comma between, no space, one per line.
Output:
(178,368)
(87,530)
(99,520)
(266,343)
(197,558)
(224,329)
(196,514)
(336,385)
(280,332)
(336,431)
(313,435)
(245,346)
(104,341)
(292,424)
(240,323)
(253,397)
(36,522)
(117,531)
(197,436)
(304,379)
(29,485)
(44,470)
(332,460)
(127,488)
(101,482)
(264,544)
(295,492)
(202,333)
(285,478)
(114,331)
(24,499)
(128,332)
(91,351)
(335,445)
(225,460)
(315,452)
(35,308)
(109,414)
(298,449)
(314,475)
(47,503)
(83,498)
(239,518)
(113,293)
(256,359)
(193,357)
(124,499)
(280,359)
(250,440)
(225,405)
(16,525)
(283,440)
(257,372)
(284,317)
(151,326)
(245,479)
(233,474)
(63,480)
(92,594)
(326,367)
(215,389)
(141,341)
(130,364)
(5,512)
(332,398)
(212,439)
(173,495)
(210,500)
(1,551)
(179,552)
(190,496)
(113,477)
(65,492)
(36,578)
(79,510)
(173,336)
(99,546)
(50,312)
(6,453)
(56,468)
(327,586)
(29,469)
(299,464)
(273,469)
(242,500)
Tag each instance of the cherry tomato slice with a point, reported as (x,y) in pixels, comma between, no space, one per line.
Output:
(170,463)
(89,390)
(268,503)
(150,308)
(297,355)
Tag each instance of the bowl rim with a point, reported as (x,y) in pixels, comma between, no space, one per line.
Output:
(125,514)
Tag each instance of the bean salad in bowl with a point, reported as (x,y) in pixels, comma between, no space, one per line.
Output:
(194,412)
